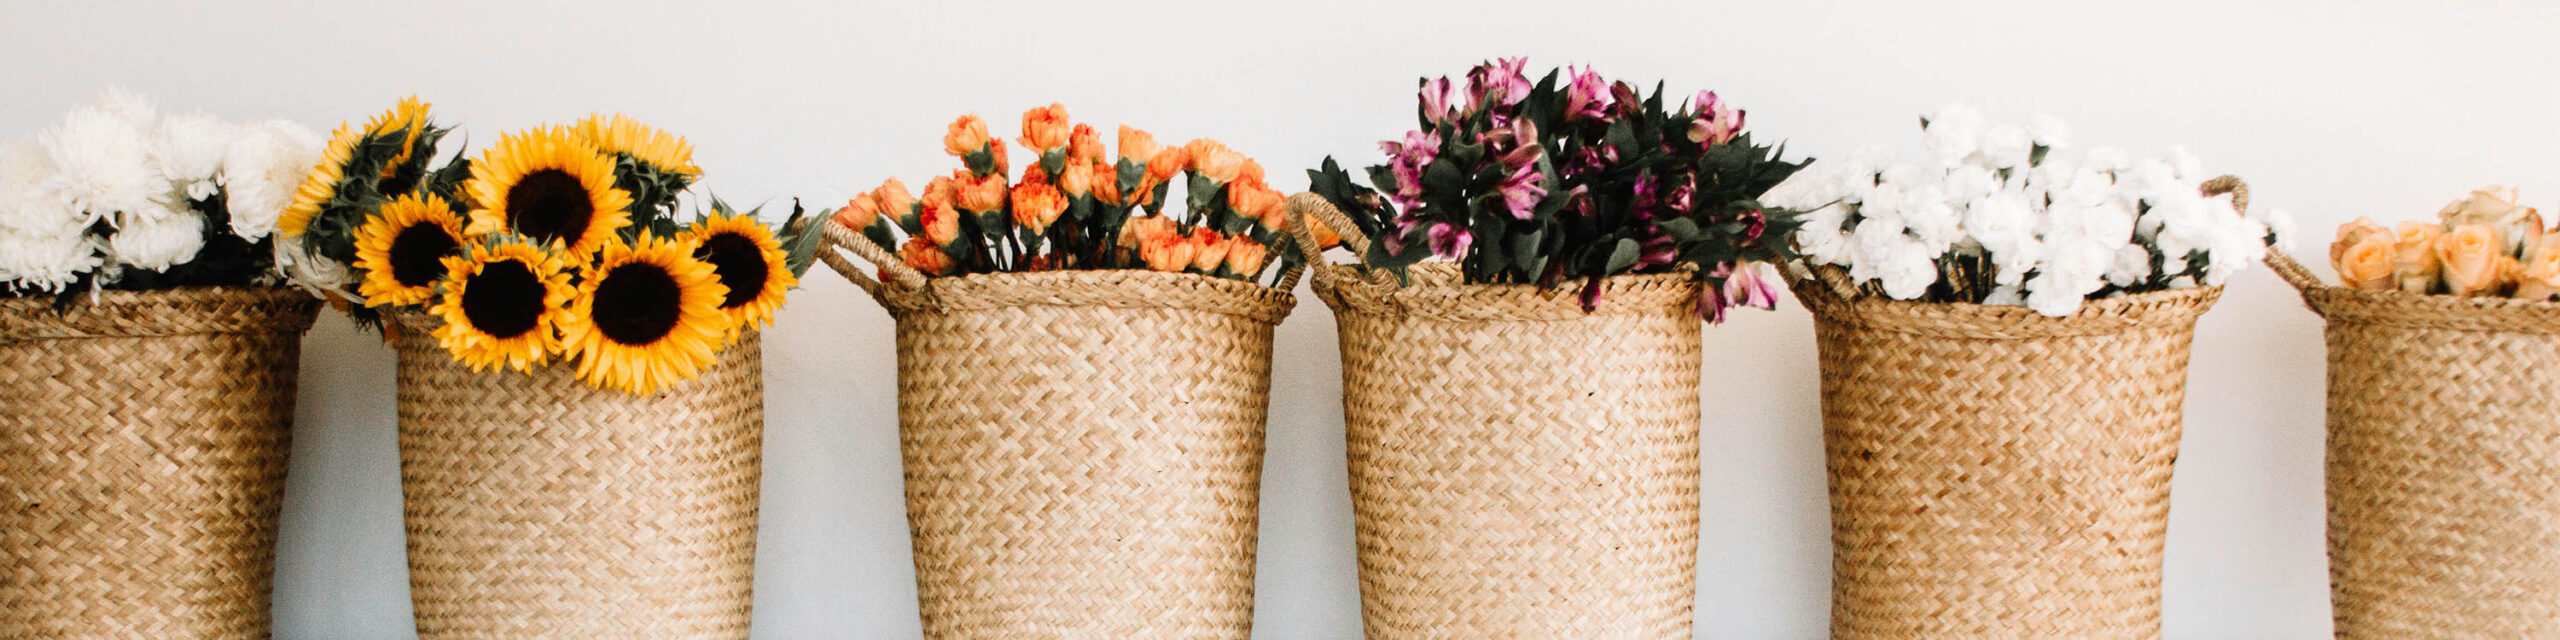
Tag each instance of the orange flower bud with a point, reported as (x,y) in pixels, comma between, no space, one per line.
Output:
(981,195)
(1084,145)
(1138,146)
(922,255)
(1045,128)
(968,134)
(858,213)
(1036,204)
(943,189)
(893,199)
(1002,158)
(1076,179)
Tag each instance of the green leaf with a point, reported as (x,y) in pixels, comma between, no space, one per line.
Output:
(1622,257)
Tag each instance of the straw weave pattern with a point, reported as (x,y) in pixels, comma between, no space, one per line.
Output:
(540,507)
(1083,451)
(142,457)
(2444,463)
(1997,473)
(1521,468)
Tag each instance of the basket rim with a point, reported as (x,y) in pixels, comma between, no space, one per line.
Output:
(1118,288)
(2396,308)
(160,313)
(2099,316)
(1438,291)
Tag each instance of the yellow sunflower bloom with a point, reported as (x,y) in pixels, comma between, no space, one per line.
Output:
(407,119)
(401,250)
(647,317)
(322,185)
(620,134)
(503,304)
(547,185)
(749,261)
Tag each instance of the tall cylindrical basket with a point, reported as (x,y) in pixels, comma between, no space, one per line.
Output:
(1995,472)
(1083,449)
(541,507)
(2443,463)
(142,457)
(1520,468)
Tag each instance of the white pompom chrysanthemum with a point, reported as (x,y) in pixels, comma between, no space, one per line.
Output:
(44,261)
(188,148)
(158,240)
(264,166)
(103,162)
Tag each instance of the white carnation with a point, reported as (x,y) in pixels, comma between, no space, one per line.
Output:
(2012,263)
(1969,183)
(104,161)
(2108,159)
(1999,220)
(2006,295)
(2235,242)
(1953,134)
(2048,131)
(2007,146)
(1926,215)
(263,168)
(188,148)
(1820,237)
(1908,269)
(2074,268)
(2185,165)
(2278,223)
(157,242)
(2110,223)
(2133,265)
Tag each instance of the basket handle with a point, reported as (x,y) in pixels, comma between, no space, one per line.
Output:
(1307,205)
(835,236)
(2284,265)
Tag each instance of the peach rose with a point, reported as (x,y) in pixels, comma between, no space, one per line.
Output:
(981,195)
(967,135)
(2353,232)
(920,254)
(1084,145)
(2414,262)
(2490,205)
(1036,205)
(2471,261)
(1138,146)
(2368,264)
(1045,128)
(2539,279)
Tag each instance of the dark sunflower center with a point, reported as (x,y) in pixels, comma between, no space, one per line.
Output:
(740,265)
(505,300)
(550,205)
(636,304)
(417,254)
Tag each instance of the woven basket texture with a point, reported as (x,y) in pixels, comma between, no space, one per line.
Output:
(1083,449)
(2443,463)
(142,457)
(540,507)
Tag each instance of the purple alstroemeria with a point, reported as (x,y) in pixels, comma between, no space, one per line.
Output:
(1522,190)
(1716,121)
(1754,223)
(1436,95)
(1587,97)
(1407,159)
(1646,196)
(1655,251)
(1451,241)
(1502,84)
(1748,285)
(1712,304)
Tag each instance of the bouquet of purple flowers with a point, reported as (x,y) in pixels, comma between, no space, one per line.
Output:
(1574,178)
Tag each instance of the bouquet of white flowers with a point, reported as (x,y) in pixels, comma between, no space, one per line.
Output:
(116,196)
(1992,216)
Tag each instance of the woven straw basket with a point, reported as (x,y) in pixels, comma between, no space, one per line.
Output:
(540,507)
(1999,473)
(142,460)
(1083,449)
(2444,462)
(1520,468)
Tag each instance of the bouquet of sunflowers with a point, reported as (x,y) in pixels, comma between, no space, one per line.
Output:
(556,241)
(1074,209)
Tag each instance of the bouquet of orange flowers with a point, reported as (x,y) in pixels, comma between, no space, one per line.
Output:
(1073,208)
(2482,245)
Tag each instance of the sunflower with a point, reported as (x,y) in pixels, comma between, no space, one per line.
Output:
(408,119)
(620,134)
(402,249)
(322,185)
(749,261)
(503,304)
(547,185)
(647,317)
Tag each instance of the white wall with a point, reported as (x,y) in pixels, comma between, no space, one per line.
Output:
(2331,109)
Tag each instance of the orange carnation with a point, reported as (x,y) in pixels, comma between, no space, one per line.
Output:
(1045,128)
(858,213)
(1169,252)
(1037,204)
(1259,203)
(1077,178)
(893,199)
(981,195)
(1244,257)
(1084,144)
(1211,251)
(922,255)
(1106,184)
(968,134)
(941,223)
(1138,146)
(1139,231)
(1213,160)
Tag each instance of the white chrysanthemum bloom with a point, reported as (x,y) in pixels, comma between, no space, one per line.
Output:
(2133,265)
(1953,134)
(2048,131)
(28,201)
(104,162)
(188,148)
(2185,165)
(263,168)
(2108,159)
(321,276)
(2006,295)
(2007,146)
(44,261)
(157,242)
(126,104)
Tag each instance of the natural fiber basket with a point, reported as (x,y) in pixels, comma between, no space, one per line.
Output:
(1999,473)
(1083,449)
(541,507)
(1520,468)
(2444,462)
(142,458)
